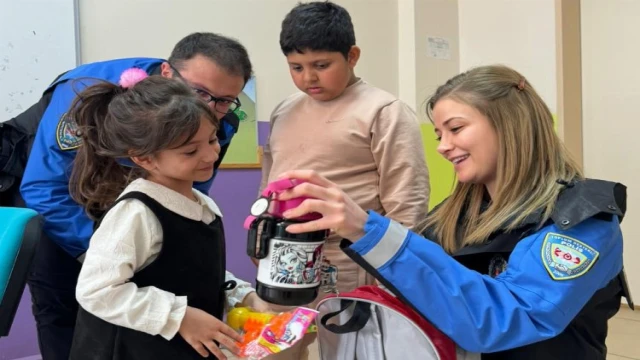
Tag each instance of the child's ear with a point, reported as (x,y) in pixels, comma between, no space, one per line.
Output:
(353,56)
(145,162)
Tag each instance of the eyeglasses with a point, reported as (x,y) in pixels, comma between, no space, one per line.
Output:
(221,105)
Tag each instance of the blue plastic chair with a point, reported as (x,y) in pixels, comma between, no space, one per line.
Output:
(20,231)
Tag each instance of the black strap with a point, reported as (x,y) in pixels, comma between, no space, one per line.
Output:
(620,196)
(361,315)
(147,200)
(229,285)
(626,292)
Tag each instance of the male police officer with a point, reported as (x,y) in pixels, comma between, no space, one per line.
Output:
(216,67)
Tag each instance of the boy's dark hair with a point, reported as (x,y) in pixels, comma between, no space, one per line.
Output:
(225,52)
(317,26)
(116,123)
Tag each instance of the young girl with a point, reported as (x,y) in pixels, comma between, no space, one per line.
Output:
(153,283)
(525,260)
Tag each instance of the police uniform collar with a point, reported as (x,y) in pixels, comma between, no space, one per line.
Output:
(584,199)
(233,120)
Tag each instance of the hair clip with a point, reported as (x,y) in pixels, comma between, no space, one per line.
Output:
(132,76)
(521,84)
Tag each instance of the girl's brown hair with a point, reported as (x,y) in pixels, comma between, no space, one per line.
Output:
(531,158)
(116,123)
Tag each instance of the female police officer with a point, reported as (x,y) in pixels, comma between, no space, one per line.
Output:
(526,258)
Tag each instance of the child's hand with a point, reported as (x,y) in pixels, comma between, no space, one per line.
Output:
(200,329)
(256,304)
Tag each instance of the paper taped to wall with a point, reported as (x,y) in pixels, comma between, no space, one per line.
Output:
(438,48)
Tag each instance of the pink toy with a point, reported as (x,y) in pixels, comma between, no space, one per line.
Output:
(132,76)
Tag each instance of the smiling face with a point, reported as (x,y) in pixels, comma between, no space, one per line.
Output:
(177,168)
(469,140)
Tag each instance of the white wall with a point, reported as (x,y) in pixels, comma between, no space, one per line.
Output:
(407,52)
(611,93)
(436,19)
(122,28)
(418,73)
(517,33)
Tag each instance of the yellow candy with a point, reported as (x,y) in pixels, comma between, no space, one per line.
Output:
(241,316)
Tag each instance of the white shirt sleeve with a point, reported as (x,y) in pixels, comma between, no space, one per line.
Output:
(120,247)
(238,294)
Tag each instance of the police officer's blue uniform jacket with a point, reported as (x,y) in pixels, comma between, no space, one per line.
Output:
(533,293)
(45,183)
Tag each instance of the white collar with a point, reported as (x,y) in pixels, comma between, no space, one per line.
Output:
(177,202)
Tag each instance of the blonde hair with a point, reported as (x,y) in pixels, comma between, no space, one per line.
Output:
(532,161)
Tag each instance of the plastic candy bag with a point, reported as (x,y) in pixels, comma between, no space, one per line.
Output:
(279,333)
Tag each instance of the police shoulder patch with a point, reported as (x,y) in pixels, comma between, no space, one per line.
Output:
(567,258)
(67,133)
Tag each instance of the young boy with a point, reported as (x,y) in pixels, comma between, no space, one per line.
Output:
(358,136)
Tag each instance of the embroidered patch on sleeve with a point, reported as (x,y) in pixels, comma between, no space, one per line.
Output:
(567,258)
(67,133)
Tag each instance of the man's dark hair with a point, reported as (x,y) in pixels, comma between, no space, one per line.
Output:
(317,26)
(225,52)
